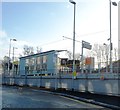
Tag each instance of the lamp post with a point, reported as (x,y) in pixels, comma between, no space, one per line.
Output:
(115,4)
(13,60)
(106,56)
(74,3)
(9,54)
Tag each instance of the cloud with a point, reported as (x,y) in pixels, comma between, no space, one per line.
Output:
(3,38)
(3,34)
(68,6)
(22,43)
(3,43)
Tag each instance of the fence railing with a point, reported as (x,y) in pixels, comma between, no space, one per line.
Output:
(52,72)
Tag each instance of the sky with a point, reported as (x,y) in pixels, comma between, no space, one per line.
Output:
(37,23)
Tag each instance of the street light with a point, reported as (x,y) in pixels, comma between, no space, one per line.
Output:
(13,59)
(71,1)
(14,51)
(9,54)
(74,3)
(106,56)
(115,4)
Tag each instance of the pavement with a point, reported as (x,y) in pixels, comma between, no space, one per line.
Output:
(24,97)
(106,101)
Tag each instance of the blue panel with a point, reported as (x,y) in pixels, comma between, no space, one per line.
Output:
(22,66)
(50,63)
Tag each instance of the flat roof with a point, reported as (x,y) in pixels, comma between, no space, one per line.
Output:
(43,53)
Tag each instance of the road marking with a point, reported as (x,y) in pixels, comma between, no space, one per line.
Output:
(92,105)
(34,99)
(72,99)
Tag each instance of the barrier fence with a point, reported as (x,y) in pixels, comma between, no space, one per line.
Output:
(96,80)
(100,83)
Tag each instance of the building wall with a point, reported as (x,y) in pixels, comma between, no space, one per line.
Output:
(22,66)
(51,63)
(45,64)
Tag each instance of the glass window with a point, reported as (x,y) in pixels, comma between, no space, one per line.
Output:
(38,60)
(41,68)
(30,61)
(44,67)
(35,67)
(41,60)
(31,68)
(33,61)
(27,62)
(38,67)
(44,59)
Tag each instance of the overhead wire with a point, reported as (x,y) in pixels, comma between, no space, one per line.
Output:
(91,33)
(97,32)
(52,42)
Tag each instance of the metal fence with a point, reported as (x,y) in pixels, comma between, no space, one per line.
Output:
(105,83)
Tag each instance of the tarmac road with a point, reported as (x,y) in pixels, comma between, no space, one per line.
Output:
(17,97)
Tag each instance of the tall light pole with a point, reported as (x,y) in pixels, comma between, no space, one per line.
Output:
(9,54)
(74,3)
(106,56)
(14,51)
(115,4)
(13,59)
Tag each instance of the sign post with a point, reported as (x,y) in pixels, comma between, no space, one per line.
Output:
(87,46)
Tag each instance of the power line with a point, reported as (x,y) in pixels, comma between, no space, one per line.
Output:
(91,33)
(72,39)
(97,32)
(52,42)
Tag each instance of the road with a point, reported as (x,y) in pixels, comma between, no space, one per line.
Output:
(16,97)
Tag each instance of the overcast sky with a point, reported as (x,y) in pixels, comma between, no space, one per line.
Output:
(44,23)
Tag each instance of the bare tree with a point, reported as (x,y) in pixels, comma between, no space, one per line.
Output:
(31,50)
(39,50)
(5,61)
(107,51)
(115,54)
(97,52)
(69,54)
(28,50)
(100,52)
(20,55)
(77,56)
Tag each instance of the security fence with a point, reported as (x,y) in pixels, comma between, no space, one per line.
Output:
(63,71)
(96,80)
(105,83)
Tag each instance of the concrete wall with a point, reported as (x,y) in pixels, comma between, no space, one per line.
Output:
(95,83)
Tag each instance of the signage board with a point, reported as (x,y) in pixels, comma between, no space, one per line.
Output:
(86,45)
